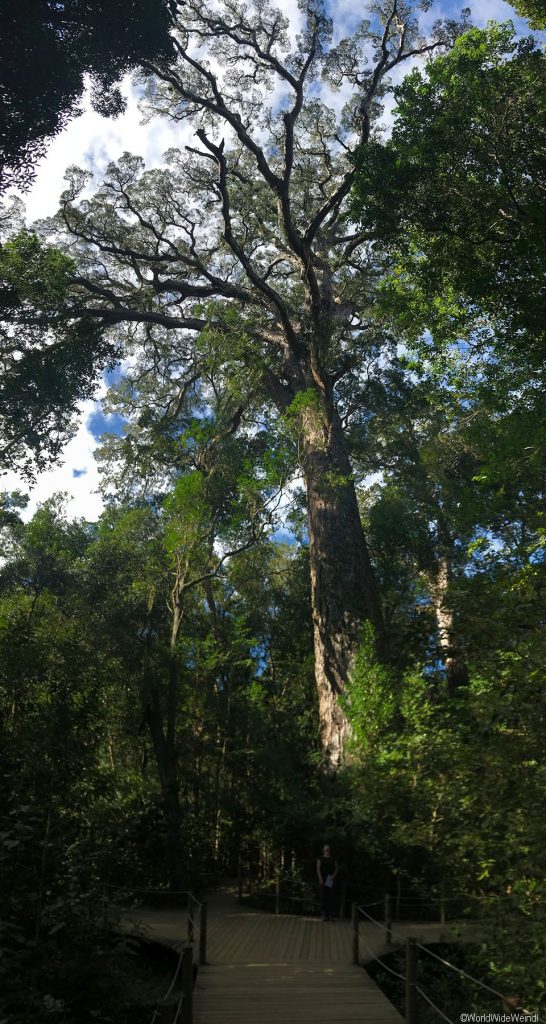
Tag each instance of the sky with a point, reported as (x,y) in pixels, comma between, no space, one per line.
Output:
(92,141)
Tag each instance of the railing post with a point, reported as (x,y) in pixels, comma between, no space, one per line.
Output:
(388,933)
(442,910)
(187,985)
(190,917)
(411,981)
(343,901)
(240,880)
(355,923)
(387,909)
(203,933)
(278,894)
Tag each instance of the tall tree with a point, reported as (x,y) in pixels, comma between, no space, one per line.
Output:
(244,241)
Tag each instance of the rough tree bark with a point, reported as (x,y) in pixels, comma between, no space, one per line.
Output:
(343,588)
(455,666)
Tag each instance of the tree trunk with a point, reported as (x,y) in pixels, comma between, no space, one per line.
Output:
(166,761)
(455,666)
(343,589)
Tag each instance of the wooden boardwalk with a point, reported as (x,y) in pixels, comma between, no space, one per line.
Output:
(286,969)
(296,993)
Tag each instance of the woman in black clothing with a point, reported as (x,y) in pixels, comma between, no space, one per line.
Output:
(326,871)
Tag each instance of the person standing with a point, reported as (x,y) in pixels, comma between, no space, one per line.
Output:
(327,870)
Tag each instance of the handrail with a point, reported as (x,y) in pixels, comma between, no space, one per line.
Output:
(276,886)
(381,924)
(174,977)
(380,961)
(145,892)
(433,1005)
(463,974)
(183,1011)
(179,1008)
(194,922)
(410,978)
(193,904)
(193,953)
(250,880)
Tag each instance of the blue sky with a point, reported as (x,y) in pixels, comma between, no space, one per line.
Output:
(92,141)
(98,423)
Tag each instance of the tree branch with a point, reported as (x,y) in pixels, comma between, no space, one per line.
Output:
(256,279)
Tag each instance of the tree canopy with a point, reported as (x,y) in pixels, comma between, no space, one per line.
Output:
(457,193)
(49,353)
(533,10)
(49,48)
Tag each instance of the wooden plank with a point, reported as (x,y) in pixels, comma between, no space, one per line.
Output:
(290,994)
(285,969)
(281,969)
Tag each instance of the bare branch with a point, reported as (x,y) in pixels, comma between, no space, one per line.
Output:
(258,281)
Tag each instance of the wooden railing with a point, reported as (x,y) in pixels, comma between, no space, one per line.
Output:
(413,951)
(193,953)
(197,921)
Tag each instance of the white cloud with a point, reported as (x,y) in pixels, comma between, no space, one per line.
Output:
(93,141)
(90,141)
(84,502)
(496,10)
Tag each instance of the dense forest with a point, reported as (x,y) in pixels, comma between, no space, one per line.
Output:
(313,606)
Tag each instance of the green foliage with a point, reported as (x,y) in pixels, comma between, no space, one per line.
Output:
(58,720)
(425,768)
(453,197)
(51,352)
(84,613)
(533,10)
(33,271)
(371,702)
(444,737)
(304,401)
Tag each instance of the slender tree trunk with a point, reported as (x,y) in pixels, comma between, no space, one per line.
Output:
(343,589)
(455,666)
(163,742)
(168,777)
(222,733)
